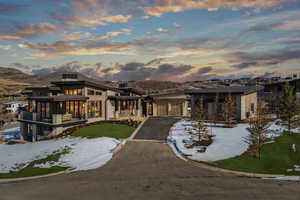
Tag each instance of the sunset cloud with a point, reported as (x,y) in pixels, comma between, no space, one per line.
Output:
(165,6)
(5,47)
(61,48)
(76,35)
(115,33)
(30,31)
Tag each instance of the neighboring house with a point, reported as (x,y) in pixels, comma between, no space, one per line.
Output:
(72,101)
(275,89)
(166,104)
(244,99)
(10,106)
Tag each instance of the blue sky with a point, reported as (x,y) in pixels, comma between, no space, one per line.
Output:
(175,40)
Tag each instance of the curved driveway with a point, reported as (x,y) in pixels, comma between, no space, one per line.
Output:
(148,170)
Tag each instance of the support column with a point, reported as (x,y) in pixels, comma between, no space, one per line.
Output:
(23,131)
(34,132)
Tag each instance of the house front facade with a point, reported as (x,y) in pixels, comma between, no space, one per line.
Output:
(214,100)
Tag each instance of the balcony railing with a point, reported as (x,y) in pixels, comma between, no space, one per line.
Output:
(55,118)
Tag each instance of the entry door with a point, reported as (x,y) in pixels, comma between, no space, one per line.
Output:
(162,109)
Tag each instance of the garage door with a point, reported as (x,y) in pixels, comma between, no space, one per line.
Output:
(176,109)
(162,109)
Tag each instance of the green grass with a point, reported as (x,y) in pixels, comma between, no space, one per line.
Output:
(276,158)
(105,130)
(30,170)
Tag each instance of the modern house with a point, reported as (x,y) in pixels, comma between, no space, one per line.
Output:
(244,99)
(73,100)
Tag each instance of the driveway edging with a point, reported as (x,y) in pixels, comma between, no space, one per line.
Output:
(228,171)
(9,180)
(137,129)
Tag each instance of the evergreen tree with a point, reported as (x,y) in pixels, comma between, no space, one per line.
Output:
(229,111)
(258,129)
(288,106)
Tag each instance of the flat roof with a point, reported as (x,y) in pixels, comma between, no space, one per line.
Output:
(124,97)
(59,98)
(231,89)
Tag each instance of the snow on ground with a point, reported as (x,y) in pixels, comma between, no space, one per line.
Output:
(227,143)
(84,153)
(11,133)
(275,130)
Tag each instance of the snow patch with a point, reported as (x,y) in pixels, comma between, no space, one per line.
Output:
(227,143)
(84,153)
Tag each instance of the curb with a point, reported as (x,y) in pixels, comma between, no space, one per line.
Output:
(145,140)
(228,171)
(10,180)
(137,129)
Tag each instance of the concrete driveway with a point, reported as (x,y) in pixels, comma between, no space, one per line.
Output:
(149,170)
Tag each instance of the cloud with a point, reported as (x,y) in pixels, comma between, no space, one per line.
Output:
(145,17)
(60,48)
(143,71)
(89,21)
(74,66)
(115,33)
(152,70)
(5,47)
(162,30)
(30,31)
(200,74)
(91,13)
(246,60)
(160,7)
(76,35)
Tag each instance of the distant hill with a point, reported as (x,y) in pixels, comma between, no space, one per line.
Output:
(13,81)
(17,75)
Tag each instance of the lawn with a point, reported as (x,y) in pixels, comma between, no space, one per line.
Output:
(105,130)
(30,170)
(276,158)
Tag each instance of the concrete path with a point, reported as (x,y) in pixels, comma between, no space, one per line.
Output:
(146,170)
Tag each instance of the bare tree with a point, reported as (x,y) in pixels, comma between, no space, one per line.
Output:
(289,106)
(216,110)
(229,111)
(199,117)
(258,129)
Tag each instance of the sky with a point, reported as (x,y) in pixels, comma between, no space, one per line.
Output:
(172,40)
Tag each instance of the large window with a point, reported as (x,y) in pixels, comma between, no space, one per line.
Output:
(43,109)
(73,92)
(76,108)
(94,109)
